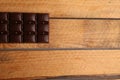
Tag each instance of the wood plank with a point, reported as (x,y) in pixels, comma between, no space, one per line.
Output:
(65,8)
(20,64)
(78,34)
(83,77)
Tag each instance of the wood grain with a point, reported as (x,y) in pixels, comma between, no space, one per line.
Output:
(78,34)
(17,64)
(82,77)
(66,33)
(65,8)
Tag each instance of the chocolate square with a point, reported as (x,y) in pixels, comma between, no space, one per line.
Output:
(43,17)
(29,39)
(3,38)
(15,16)
(15,28)
(29,17)
(15,38)
(43,38)
(3,28)
(43,28)
(29,28)
(3,16)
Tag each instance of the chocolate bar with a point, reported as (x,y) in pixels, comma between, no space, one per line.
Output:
(24,27)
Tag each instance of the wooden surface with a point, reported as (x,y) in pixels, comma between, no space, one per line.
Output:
(78,34)
(65,8)
(58,63)
(71,31)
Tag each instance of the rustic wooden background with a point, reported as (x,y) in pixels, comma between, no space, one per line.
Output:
(73,24)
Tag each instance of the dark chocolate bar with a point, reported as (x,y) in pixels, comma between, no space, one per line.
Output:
(24,27)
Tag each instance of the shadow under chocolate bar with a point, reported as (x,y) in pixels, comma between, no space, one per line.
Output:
(24,27)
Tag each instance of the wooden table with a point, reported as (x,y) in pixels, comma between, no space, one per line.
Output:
(84,40)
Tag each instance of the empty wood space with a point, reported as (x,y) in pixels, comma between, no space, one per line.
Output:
(65,8)
(17,64)
(82,24)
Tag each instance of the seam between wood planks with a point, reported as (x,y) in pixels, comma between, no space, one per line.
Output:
(84,18)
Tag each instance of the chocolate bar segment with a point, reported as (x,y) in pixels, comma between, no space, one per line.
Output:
(15,16)
(15,28)
(24,27)
(29,17)
(31,38)
(15,38)
(43,28)
(3,38)
(43,38)
(43,17)
(3,28)
(30,28)
(3,16)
